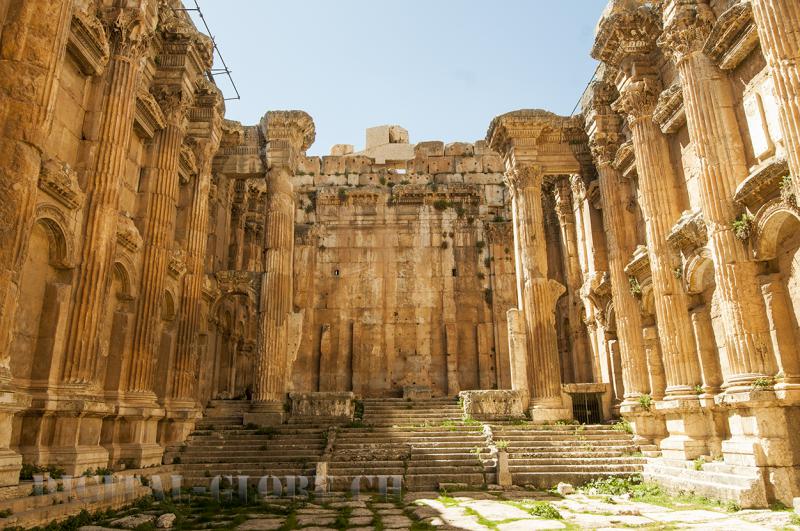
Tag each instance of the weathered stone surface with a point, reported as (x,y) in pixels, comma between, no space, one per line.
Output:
(493,404)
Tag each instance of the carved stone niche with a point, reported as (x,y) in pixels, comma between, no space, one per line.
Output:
(689,233)
(733,37)
(625,161)
(765,182)
(60,182)
(149,117)
(128,236)
(88,43)
(669,114)
(187,164)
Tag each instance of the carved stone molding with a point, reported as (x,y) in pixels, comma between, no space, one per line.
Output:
(670,114)
(187,164)
(627,29)
(175,102)
(639,265)
(733,37)
(307,235)
(127,234)
(177,266)
(689,233)
(88,43)
(625,160)
(148,118)
(60,181)
(129,31)
(638,99)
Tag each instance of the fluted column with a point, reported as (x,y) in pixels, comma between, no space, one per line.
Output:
(157,234)
(130,40)
(778,22)
(539,292)
(32,43)
(581,365)
(617,223)
(271,370)
(661,210)
(714,131)
(183,387)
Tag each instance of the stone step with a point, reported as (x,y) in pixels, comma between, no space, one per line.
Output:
(390,431)
(569,455)
(581,468)
(224,459)
(252,481)
(544,445)
(610,461)
(546,480)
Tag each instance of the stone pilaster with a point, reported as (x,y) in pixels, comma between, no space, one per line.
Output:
(288,135)
(713,128)
(32,43)
(778,22)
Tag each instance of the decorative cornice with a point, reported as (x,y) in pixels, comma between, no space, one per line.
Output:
(733,37)
(526,127)
(669,113)
(148,118)
(289,134)
(763,184)
(627,29)
(88,43)
(639,265)
(625,159)
(61,183)
(127,234)
(687,30)
(689,233)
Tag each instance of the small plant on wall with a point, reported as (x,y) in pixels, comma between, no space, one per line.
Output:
(636,288)
(743,226)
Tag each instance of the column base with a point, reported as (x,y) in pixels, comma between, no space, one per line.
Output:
(648,426)
(180,420)
(550,410)
(265,414)
(762,429)
(690,427)
(130,435)
(11,402)
(62,428)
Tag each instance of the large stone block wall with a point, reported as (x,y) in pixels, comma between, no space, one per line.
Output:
(404,271)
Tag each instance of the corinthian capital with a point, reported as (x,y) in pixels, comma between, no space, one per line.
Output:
(638,99)
(687,30)
(604,146)
(174,103)
(525,176)
(129,31)
(627,29)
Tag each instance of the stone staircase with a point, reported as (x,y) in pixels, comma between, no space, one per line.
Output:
(424,441)
(543,456)
(224,446)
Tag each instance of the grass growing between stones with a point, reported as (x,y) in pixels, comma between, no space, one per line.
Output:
(647,492)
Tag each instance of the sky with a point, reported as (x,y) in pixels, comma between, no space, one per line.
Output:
(440,68)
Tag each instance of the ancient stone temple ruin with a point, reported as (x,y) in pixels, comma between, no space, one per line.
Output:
(170,278)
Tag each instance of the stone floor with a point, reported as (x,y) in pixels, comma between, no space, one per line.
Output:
(514,510)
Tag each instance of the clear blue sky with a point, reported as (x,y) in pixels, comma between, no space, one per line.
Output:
(440,68)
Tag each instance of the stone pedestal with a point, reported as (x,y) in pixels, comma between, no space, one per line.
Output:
(688,427)
(504,478)
(130,436)
(179,421)
(493,404)
(418,392)
(647,424)
(329,406)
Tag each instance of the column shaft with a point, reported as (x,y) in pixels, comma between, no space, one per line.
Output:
(714,130)
(660,209)
(617,223)
(539,294)
(271,369)
(158,236)
(778,22)
(183,386)
(103,186)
